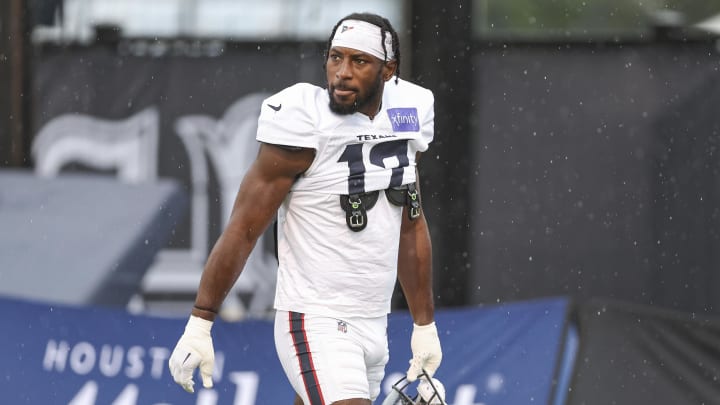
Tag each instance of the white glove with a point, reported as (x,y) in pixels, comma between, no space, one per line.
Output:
(427,354)
(195,348)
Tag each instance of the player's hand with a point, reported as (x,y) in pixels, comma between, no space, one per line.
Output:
(427,354)
(193,350)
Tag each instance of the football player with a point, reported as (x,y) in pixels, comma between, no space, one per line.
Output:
(338,166)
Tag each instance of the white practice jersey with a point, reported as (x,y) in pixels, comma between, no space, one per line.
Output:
(324,267)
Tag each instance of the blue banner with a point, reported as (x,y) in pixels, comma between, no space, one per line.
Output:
(504,354)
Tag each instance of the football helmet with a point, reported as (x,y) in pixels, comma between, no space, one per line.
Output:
(430,391)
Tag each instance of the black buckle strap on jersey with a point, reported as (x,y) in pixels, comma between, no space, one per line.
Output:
(413,201)
(356,207)
(405,195)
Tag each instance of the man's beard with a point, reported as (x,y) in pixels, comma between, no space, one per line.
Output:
(360,102)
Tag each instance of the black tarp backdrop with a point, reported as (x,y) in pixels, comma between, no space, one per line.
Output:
(594,173)
(589,169)
(442,47)
(636,354)
(687,195)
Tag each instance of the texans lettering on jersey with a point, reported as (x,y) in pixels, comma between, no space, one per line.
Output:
(325,268)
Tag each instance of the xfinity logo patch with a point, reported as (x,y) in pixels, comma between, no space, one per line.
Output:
(404,119)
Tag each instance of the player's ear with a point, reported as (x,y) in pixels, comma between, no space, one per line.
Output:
(389,69)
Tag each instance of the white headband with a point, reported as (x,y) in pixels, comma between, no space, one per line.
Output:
(364,37)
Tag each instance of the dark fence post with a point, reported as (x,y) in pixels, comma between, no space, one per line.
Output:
(441,60)
(14,83)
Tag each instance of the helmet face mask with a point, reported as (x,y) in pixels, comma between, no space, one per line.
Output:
(430,391)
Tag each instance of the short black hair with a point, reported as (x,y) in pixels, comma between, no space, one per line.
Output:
(378,21)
